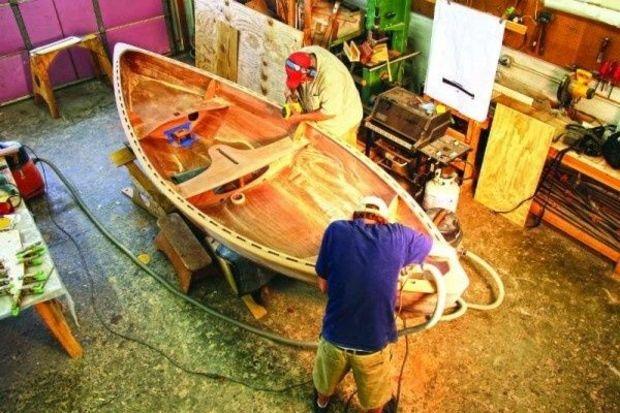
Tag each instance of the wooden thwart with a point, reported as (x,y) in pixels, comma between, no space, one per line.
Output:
(229,164)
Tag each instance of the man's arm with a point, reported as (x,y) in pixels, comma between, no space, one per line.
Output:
(315,116)
(322,262)
(418,248)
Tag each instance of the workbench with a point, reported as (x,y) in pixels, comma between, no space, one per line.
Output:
(597,169)
(594,168)
(47,304)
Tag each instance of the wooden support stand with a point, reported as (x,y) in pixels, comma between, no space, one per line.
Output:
(145,194)
(148,197)
(182,248)
(42,57)
(51,314)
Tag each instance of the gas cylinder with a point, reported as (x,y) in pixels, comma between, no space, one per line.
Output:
(442,191)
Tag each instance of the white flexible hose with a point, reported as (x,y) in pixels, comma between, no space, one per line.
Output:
(462,309)
(440,306)
(494,274)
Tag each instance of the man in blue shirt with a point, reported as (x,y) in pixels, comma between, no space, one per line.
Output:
(358,266)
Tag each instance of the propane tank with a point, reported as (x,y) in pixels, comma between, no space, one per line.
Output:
(442,191)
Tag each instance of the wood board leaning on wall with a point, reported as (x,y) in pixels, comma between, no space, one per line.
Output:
(513,162)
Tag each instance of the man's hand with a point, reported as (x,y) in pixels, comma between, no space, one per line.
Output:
(315,116)
(322,283)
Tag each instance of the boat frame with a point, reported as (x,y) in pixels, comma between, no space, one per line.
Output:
(268,257)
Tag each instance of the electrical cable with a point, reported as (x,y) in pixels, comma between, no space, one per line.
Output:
(166,284)
(402,368)
(100,318)
(434,272)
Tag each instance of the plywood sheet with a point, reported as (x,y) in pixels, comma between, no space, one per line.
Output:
(513,162)
(264,44)
(228,45)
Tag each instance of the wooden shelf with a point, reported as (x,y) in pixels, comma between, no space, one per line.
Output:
(595,168)
(562,224)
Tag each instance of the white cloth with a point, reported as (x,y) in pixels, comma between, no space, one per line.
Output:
(465,49)
(333,92)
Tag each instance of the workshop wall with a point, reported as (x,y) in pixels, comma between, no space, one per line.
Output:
(529,70)
(139,22)
(569,39)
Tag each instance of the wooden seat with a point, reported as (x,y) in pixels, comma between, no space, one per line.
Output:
(229,164)
(182,248)
(42,57)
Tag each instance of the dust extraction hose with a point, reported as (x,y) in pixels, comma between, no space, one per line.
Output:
(500,294)
(262,333)
(276,338)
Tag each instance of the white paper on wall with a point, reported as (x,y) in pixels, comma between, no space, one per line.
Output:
(464,53)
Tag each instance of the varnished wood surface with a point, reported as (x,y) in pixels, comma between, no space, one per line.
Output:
(290,207)
(513,162)
(286,209)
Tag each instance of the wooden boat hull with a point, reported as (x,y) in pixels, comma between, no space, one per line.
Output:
(288,207)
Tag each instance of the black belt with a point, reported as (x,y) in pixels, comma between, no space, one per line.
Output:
(357,352)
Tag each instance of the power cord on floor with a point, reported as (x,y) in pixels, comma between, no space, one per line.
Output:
(100,318)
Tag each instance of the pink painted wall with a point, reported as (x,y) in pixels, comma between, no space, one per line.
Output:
(129,11)
(139,22)
(10,39)
(14,76)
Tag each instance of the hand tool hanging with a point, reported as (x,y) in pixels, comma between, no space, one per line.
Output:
(542,21)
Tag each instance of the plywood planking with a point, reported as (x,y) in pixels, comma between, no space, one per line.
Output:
(264,44)
(513,162)
(228,46)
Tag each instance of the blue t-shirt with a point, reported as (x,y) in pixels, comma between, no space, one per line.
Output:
(361,263)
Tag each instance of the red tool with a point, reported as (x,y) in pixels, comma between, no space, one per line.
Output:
(27,177)
(614,78)
(605,72)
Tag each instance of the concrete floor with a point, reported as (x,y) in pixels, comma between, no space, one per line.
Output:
(553,346)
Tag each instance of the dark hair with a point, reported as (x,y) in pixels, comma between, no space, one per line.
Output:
(369,215)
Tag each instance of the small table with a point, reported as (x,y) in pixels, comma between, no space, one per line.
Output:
(46,304)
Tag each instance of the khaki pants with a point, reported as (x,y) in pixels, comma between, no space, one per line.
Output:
(371,373)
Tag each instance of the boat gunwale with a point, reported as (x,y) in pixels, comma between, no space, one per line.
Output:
(289,265)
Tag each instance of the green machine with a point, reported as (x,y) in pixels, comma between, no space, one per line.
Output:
(386,21)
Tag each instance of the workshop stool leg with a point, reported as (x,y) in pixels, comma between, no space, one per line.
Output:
(100,58)
(41,84)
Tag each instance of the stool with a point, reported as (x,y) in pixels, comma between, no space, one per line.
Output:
(42,58)
(182,248)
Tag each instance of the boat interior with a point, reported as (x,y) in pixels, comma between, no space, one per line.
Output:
(233,156)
